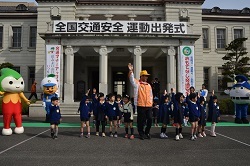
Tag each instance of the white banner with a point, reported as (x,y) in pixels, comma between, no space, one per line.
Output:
(135,27)
(53,53)
(187,75)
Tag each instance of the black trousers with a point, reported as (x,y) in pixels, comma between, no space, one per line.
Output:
(144,117)
(33,94)
(98,122)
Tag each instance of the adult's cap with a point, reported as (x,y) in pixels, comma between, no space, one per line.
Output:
(144,73)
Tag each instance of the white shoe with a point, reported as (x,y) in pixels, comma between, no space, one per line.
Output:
(192,138)
(97,133)
(19,130)
(6,131)
(162,135)
(181,136)
(204,134)
(200,135)
(213,134)
(103,135)
(165,136)
(177,138)
(195,137)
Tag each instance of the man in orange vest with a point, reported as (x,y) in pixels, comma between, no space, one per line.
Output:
(33,90)
(143,100)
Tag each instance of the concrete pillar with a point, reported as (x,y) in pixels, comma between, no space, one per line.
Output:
(171,67)
(69,74)
(132,17)
(109,17)
(103,67)
(86,17)
(137,51)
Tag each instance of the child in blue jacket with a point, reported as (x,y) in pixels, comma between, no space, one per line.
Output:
(213,113)
(85,110)
(55,117)
(113,113)
(165,112)
(101,114)
(194,114)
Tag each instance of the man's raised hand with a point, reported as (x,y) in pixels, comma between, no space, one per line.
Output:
(130,67)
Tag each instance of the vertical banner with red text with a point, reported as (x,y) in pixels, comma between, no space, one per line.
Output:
(53,53)
(187,74)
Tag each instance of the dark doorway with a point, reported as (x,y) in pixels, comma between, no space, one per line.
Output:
(120,79)
(93,78)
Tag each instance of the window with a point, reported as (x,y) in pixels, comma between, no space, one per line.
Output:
(221,38)
(1,37)
(32,37)
(220,79)
(205,37)
(17,69)
(17,34)
(238,33)
(206,76)
(31,75)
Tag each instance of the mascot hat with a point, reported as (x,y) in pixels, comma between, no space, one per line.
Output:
(49,81)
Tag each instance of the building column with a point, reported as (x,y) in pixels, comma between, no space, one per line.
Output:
(103,67)
(86,17)
(108,16)
(69,74)
(171,67)
(137,51)
(132,17)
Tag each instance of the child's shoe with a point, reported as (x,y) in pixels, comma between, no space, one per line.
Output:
(177,138)
(97,133)
(192,138)
(81,135)
(132,137)
(111,134)
(200,135)
(87,136)
(213,134)
(103,135)
(165,136)
(204,134)
(195,137)
(126,136)
(52,134)
(115,135)
(180,136)
(162,135)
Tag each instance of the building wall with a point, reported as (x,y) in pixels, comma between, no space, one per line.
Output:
(23,57)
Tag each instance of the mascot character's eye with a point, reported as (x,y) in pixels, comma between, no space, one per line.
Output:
(47,88)
(233,87)
(22,82)
(241,87)
(11,82)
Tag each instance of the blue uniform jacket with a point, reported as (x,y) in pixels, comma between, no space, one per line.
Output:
(55,113)
(214,111)
(112,109)
(101,111)
(193,108)
(85,109)
(47,100)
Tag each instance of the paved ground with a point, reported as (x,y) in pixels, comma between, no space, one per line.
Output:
(35,147)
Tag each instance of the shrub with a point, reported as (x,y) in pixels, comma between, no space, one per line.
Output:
(226,106)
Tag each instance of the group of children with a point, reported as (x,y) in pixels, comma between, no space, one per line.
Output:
(173,106)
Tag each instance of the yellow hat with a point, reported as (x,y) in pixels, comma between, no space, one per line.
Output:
(144,73)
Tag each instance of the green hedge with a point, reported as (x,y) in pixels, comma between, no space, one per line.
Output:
(25,107)
(227,106)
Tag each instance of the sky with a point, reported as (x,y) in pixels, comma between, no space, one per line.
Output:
(223,4)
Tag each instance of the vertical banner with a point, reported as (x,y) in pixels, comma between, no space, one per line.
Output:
(53,53)
(186,77)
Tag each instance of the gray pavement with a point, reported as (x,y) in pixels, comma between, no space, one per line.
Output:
(230,147)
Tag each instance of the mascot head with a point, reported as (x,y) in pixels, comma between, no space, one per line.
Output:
(49,84)
(11,81)
(240,91)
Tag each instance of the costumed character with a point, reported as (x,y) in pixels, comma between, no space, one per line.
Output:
(240,95)
(49,88)
(11,88)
